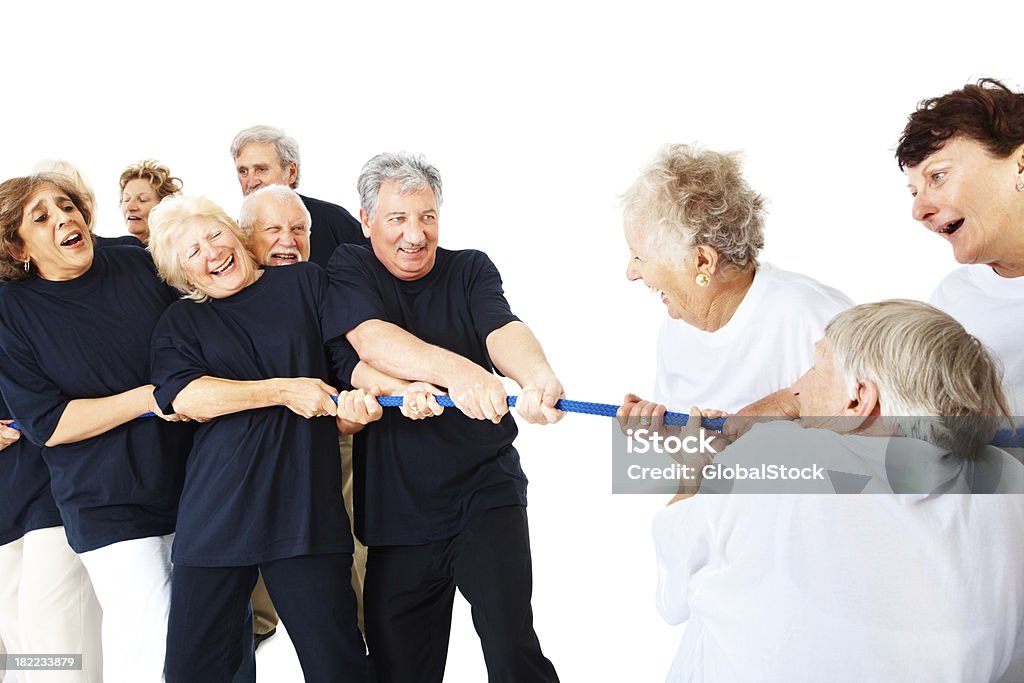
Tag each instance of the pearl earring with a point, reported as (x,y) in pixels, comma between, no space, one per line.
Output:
(703,279)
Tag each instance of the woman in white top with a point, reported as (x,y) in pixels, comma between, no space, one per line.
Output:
(916,579)
(694,229)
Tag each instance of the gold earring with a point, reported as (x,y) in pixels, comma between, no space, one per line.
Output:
(703,279)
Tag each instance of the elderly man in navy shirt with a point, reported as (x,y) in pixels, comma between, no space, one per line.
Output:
(264,155)
(440,503)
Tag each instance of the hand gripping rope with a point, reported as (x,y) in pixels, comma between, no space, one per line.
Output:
(1004,438)
(600,409)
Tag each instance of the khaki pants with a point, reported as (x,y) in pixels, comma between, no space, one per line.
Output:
(264,616)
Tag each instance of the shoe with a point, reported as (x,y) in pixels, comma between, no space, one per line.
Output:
(260,637)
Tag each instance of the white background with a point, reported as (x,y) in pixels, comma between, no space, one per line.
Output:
(539,115)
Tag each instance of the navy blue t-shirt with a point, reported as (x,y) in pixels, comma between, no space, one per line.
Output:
(89,338)
(331,225)
(261,484)
(26,503)
(421,481)
(124,240)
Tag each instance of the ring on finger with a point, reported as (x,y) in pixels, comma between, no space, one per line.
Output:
(645,422)
(414,409)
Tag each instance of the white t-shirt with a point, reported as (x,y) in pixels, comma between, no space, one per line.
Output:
(823,587)
(991,308)
(766,345)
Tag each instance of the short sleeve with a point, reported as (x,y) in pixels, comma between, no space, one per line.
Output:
(175,356)
(486,296)
(353,296)
(36,401)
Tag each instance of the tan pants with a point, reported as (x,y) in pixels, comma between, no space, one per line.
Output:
(264,616)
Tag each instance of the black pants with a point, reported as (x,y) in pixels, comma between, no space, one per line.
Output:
(313,595)
(408,602)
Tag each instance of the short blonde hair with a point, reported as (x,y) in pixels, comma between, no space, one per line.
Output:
(925,365)
(165,219)
(688,197)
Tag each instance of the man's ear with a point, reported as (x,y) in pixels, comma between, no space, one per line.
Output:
(364,219)
(865,402)
(293,174)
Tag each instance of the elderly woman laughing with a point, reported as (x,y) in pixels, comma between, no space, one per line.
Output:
(694,228)
(244,354)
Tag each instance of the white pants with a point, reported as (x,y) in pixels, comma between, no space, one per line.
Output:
(133,583)
(47,606)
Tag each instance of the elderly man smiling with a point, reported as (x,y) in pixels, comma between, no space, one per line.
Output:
(442,503)
(279,224)
(265,156)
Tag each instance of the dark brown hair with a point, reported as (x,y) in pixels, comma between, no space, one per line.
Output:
(14,193)
(987,112)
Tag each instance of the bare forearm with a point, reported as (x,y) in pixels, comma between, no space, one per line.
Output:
(365,376)
(518,355)
(209,397)
(780,404)
(395,352)
(84,418)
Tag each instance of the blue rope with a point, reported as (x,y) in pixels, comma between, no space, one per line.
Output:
(1004,438)
(599,409)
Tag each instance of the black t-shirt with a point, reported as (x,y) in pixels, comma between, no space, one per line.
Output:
(421,481)
(89,338)
(261,484)
(331,225)
(124,241)
(26,503)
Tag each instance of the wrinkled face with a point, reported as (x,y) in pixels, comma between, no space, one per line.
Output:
(280,232)
(403,231)
(674,283)
(969,198)
(821,392)
(137,199)
(213,259)
(54,235)
(257,164)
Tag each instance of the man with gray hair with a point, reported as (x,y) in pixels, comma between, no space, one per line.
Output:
(441,503)
(265,155)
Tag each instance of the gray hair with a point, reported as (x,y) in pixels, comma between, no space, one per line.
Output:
(688,197)
(287,148)
(926,366)
(411,172)
(280,194)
